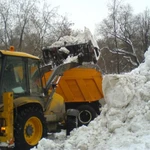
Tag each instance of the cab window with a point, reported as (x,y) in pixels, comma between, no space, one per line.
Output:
(34,77)
(14,75)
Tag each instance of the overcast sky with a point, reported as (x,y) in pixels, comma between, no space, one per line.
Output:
(90,12)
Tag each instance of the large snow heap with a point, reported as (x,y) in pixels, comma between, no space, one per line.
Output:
(124,122)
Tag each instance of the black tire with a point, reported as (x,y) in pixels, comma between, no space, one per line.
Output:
(86,114)
(72,122)
(29,128)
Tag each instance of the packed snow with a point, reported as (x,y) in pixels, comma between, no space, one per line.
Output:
(81,38)
(73,40)
(124,123)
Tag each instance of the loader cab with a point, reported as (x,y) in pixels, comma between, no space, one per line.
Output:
(17,75)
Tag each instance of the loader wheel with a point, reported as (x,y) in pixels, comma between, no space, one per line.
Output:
(86,114)
(30,127)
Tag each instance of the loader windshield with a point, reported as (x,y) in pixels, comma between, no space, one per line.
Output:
(14,75)
(21,76)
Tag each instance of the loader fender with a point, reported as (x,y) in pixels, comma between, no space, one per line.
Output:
(27,100)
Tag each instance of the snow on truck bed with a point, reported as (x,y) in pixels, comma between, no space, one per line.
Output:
(81,38)
(124,123)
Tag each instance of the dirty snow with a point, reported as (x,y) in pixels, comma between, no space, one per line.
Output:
(124,123)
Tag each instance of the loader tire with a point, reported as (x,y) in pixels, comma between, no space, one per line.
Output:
(29,128)
(86,114)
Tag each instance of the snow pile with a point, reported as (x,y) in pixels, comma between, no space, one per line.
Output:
(57,144)
(81,38)
(124,123)
(72,48)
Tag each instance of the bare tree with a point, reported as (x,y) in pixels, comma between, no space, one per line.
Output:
(30,25)
(143,20)
(113,15)
(119,33)
(6,24)
(62,27)
(40,28)
(47,27)
(24,11)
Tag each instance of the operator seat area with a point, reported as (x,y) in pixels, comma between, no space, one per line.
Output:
(8,79)
(10,83)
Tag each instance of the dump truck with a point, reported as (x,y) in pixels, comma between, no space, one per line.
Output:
(29,110)
(81,87)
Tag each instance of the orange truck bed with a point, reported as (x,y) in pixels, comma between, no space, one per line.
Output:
(81,89)
(80,85)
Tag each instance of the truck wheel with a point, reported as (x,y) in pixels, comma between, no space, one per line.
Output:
(86,114)
(30,127)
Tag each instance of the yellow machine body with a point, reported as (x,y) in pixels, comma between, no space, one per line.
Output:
(52,108)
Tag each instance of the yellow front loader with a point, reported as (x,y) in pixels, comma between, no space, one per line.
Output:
(28,110)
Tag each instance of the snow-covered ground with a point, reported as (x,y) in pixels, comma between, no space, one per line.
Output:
(124,123)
